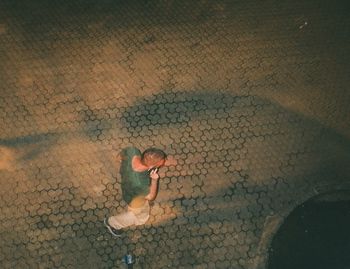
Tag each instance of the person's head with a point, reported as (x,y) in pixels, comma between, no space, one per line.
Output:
(153,158)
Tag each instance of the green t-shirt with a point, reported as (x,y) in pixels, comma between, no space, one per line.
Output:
(133,183)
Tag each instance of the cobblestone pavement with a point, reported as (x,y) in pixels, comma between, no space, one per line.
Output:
(251,97)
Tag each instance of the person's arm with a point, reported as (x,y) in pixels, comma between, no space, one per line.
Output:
(153,189)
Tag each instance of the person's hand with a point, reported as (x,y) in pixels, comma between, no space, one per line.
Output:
(154,174)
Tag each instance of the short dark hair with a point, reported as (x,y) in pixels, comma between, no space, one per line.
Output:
(153,155)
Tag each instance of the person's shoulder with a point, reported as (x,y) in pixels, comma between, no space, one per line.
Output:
(130,151)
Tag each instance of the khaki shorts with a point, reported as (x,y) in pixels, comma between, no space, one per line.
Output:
(133,216)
